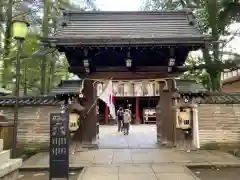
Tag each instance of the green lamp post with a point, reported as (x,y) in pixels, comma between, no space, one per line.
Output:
(20,30)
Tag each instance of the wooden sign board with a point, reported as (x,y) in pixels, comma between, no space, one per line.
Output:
(59,147)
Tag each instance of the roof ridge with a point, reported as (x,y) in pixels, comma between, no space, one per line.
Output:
(26,97)
(126,12)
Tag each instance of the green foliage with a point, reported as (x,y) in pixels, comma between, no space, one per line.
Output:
(213,17)
(41,67)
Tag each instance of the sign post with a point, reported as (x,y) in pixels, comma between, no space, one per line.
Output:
(59,145)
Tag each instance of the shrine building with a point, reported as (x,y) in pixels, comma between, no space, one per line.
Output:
(141,97)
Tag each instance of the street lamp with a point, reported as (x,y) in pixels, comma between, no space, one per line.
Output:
(20,29)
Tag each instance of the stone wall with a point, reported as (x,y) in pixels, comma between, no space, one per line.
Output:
(33,126)
(219,123)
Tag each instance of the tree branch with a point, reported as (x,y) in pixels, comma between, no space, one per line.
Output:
(35,54)
(232,37)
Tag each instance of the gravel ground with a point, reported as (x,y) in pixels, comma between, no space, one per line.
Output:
(217,173)
(43,175)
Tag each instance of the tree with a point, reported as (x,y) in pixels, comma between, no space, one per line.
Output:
(42,67)
(214,18)
(52,11)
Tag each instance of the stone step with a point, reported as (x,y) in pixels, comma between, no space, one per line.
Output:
(10,166)
(1,144)
(4,156)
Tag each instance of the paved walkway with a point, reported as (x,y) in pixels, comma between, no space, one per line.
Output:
(138,172)
(140,136)
(126,162)
(114,157)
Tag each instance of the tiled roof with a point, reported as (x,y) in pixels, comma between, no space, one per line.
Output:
(29,100)
(189,86)
(221,98)
(68,87)
(95,28)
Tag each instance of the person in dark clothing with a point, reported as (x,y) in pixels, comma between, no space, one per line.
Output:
(120,116)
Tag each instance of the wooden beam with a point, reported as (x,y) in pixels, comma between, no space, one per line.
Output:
(159,69)
(136,69)
(130,75)
(76,69)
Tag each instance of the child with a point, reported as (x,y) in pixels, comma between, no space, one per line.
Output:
(126,121)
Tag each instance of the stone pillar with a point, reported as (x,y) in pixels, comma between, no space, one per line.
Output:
(137,120)
(106,114)
(196,141)
(167,115)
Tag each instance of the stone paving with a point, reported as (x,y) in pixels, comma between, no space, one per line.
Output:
(125,162)
(103,157)
(140,136)
(139,172)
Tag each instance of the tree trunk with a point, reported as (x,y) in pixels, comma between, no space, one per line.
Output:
(7,43)
(52,64)
(1,31)
(215,81)
(51,75)
(66,75)
(45,34)
(25,79)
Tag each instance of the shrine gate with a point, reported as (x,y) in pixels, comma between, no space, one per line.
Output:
(127,46)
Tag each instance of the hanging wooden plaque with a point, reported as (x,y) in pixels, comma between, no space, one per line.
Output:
(99,89)
(127,89)
(145,89)
(138,89)
(150,89)
(115,89)
(156,89)
(120,90)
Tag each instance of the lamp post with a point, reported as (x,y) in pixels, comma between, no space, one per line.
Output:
(20,29)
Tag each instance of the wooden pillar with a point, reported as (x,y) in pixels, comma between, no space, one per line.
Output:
(159,123)
(87,132)
(167,115)
(138,119)
(106,114)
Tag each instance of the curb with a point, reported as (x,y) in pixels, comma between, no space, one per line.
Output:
(214,165)
(47,168)
(80,176)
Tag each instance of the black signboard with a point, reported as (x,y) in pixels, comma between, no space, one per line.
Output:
(59,146)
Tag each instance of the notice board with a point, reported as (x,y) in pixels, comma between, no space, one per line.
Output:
(59,147)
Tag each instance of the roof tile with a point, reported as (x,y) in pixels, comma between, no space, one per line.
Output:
(189,86)
(97,27)
(68,87)
(221,98)
(29,100)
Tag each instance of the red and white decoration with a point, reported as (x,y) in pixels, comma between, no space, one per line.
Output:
(107,97)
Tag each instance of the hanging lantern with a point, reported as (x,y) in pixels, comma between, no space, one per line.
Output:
(74,120)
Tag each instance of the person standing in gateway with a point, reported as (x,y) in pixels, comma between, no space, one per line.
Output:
(120,116)
(126,121)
